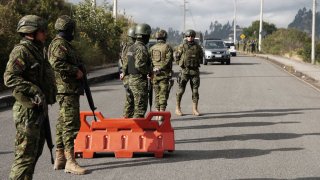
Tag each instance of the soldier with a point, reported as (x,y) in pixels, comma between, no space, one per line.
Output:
(138,68)
(66,64)
(128,107)
(162,57)
(188,57)
(30,75)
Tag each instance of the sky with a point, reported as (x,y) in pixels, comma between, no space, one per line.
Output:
(200,13)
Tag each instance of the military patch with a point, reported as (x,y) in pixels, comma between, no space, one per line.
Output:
(156,55)
(18,65)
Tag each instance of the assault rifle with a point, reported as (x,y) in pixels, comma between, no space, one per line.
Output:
(44,122)
(87,90)
(150,92)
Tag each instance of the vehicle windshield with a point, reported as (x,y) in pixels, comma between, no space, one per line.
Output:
(214,44)
(229,44)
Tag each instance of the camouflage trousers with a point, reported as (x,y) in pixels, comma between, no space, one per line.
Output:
(194,83)
(29,142)
(138,86)
(161,89)
(128,105)
(68,123)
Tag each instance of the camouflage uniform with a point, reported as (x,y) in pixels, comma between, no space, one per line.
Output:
(189,56)
(65,63)
(30,74)
(128,106)
(161,55)
(137,68)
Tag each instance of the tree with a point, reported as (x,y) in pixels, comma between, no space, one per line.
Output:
(253,30)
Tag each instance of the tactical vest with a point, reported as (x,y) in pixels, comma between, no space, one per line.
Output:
(191,56)
(131,60)
(125,50)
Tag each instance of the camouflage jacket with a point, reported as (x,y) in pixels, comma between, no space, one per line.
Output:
(139,54)
(29,72)
(65,63)
(162,57)
(123,56)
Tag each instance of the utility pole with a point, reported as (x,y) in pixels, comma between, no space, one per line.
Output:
(115,9)
(94,3)
(234,23)
(260,29)
(184,15)
(313,32)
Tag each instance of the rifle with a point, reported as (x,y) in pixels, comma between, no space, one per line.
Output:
(87,90)
(44,122)
(46,125)
(171,82)
(150,92)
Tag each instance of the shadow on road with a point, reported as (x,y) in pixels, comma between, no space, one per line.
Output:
(246,137)
(243,114)
(189,155)
(237,124)
(6,152)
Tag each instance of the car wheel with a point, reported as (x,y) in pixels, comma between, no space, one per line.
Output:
(228,61)
(205,62)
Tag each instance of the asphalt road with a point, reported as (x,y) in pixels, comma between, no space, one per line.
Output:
(258,122)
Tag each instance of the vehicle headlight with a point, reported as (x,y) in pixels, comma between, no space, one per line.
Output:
(207,53)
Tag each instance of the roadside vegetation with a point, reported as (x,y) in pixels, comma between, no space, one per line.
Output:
(98,36)
(291,42)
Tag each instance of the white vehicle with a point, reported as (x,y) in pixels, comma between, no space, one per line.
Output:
(231,47)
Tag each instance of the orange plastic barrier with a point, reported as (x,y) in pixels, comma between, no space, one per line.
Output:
(124,136)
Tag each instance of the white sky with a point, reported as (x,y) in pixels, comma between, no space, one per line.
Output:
(169,13)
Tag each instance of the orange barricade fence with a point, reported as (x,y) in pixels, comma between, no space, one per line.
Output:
(124,136)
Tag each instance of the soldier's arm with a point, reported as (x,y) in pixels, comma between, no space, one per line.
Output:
(167,64)
(200,54)
(143,62)
(13,76)
(58,59)
(178,54)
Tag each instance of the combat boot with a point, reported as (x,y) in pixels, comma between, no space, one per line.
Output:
(195,109)
(72,166)
(178,109)
(60,160)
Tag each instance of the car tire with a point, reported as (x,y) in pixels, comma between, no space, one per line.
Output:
(205,62)
(228,61)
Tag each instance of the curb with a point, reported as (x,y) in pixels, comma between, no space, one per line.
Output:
(291,70)
(8,100)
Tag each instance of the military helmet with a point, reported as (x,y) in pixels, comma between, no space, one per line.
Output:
(190,32)
(161,34)
(64,23)
(31,23)
(131,32)
(142,29)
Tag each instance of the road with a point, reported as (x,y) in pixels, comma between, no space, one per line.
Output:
(258,122)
